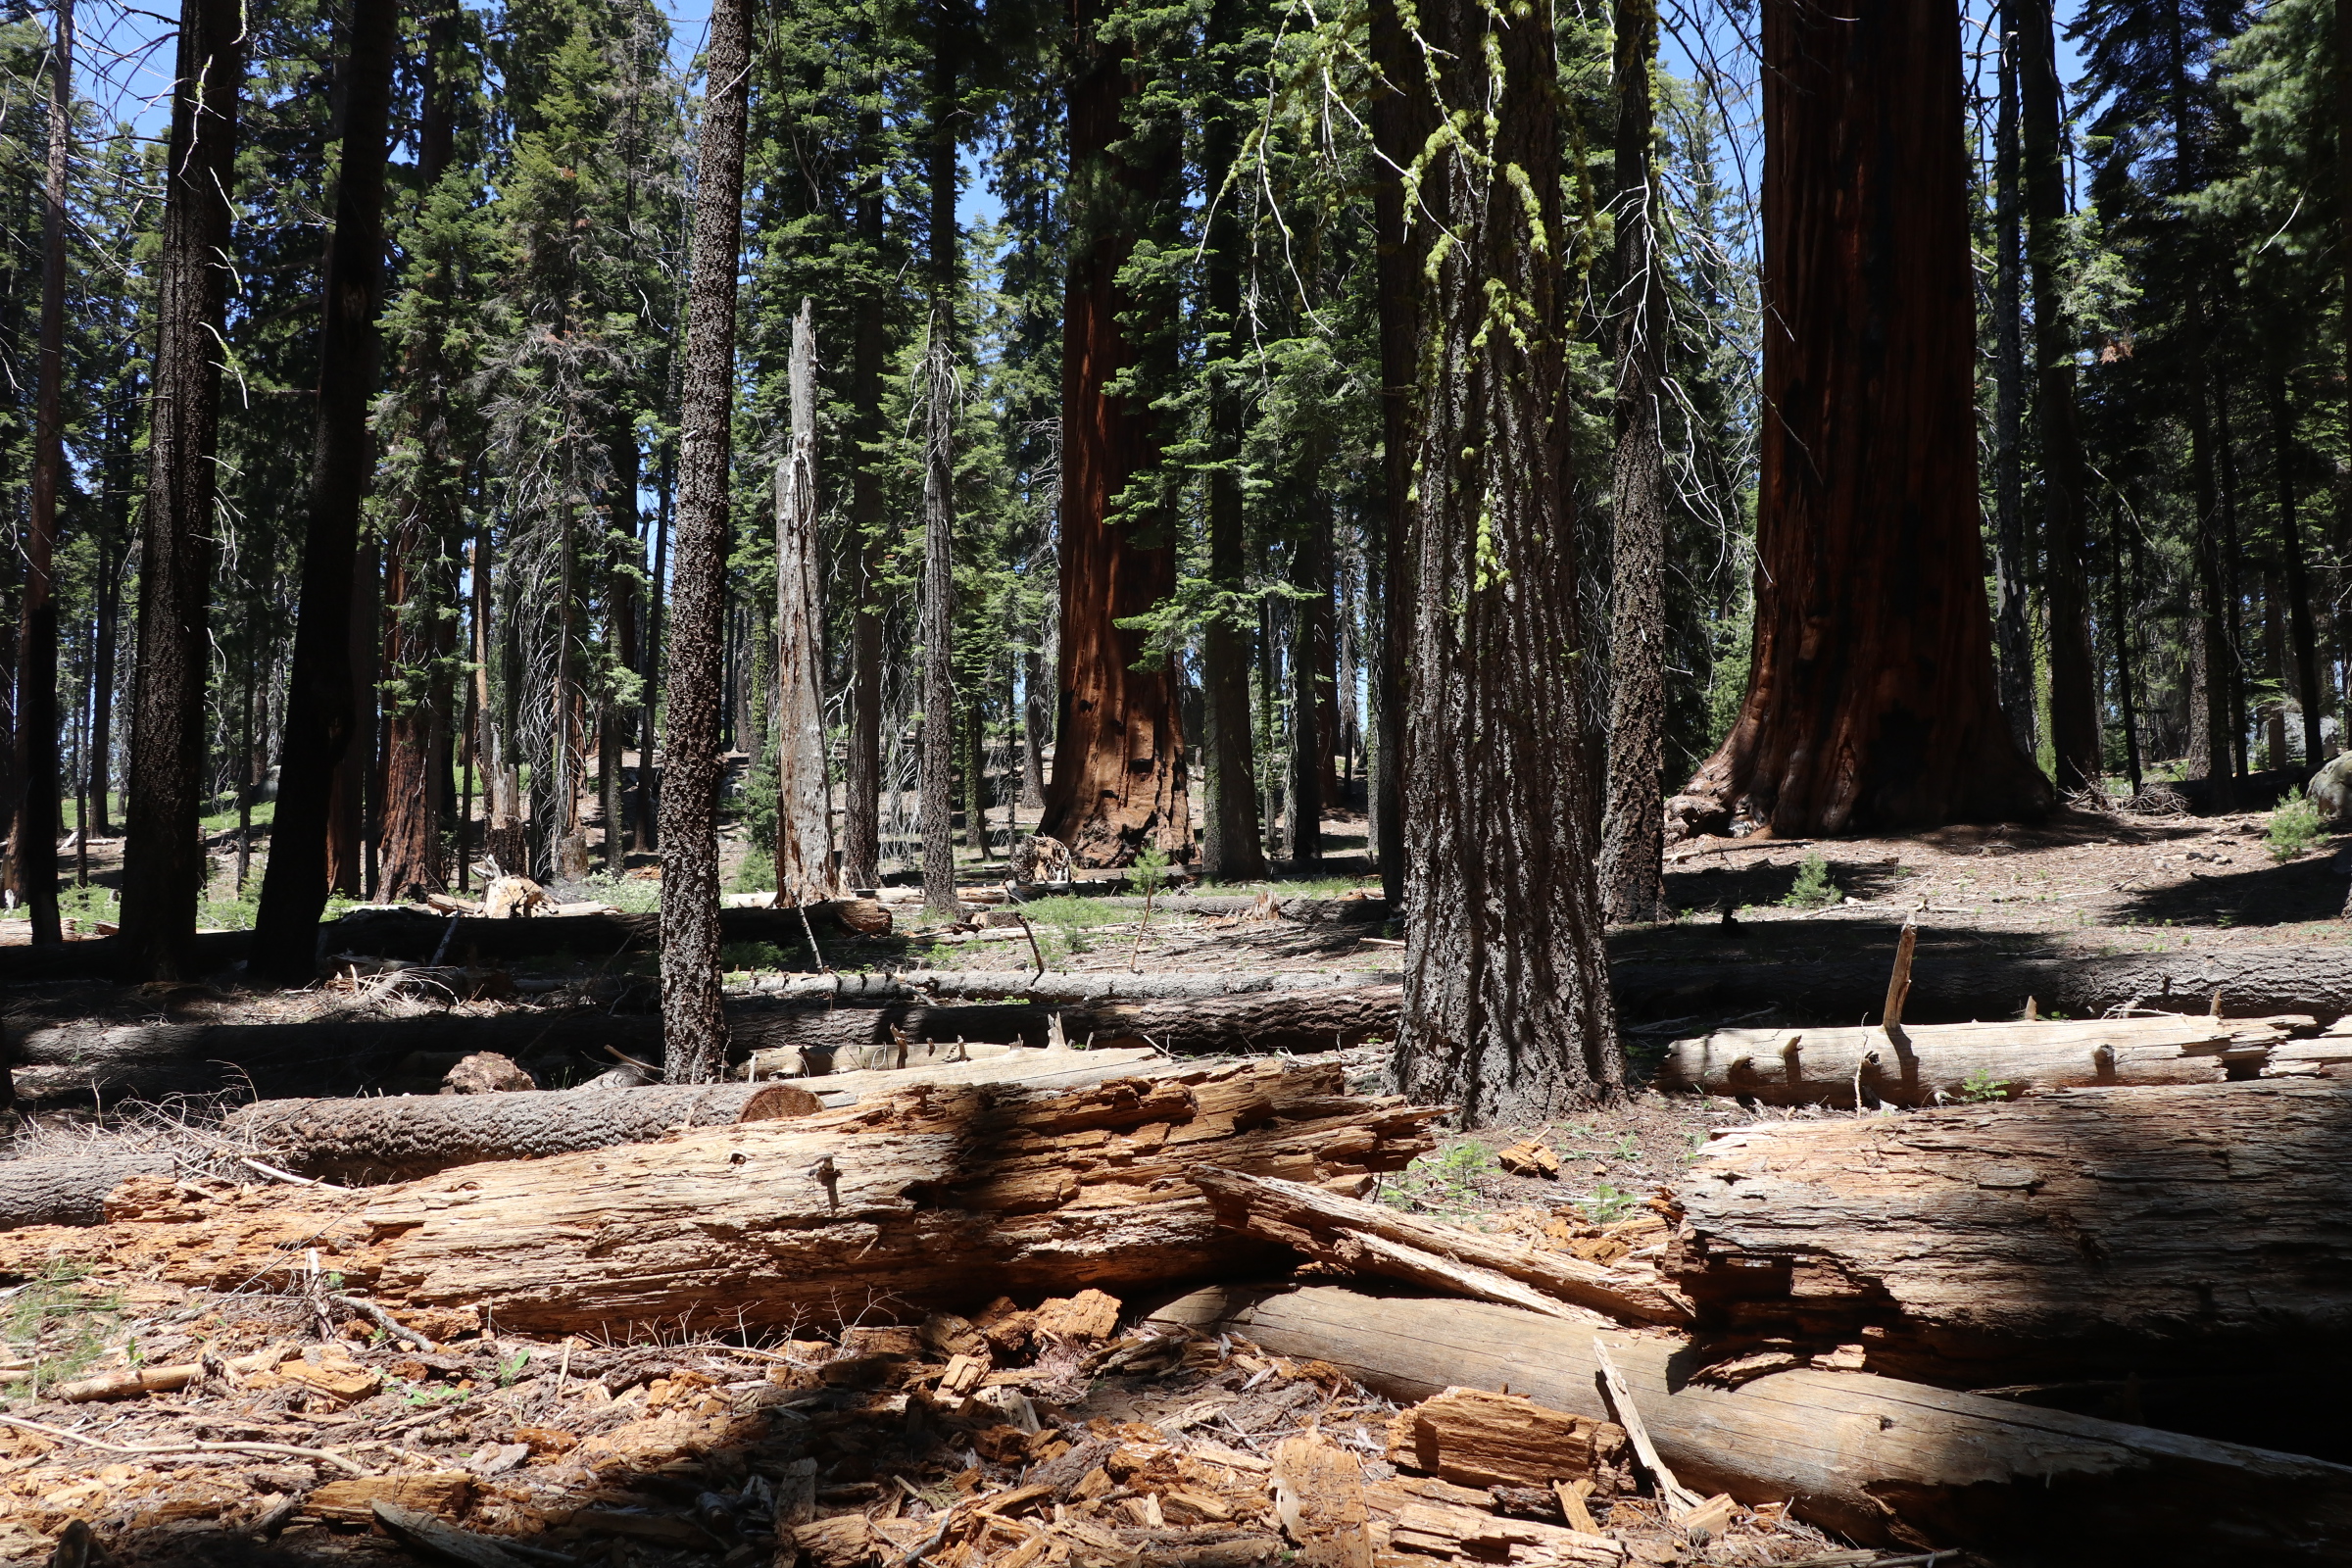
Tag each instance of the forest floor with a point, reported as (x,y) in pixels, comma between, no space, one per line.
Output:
(676,1453)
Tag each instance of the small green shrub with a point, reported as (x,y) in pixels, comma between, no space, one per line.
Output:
(751,956)
(1440,1181)
(1608,1205)
(1813,889)
(1151,870)
(1980,1086)
(2297,825)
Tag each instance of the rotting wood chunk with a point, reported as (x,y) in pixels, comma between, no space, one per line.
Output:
(1529,1158)
(1474,1438)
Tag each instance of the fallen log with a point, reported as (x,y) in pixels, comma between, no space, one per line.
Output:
(2082,1230)
(1058,988)
(80,1062)
(69,1188)
(933,1196)
(1370,1239)
(1921,1065)
(405,1137)
(1878,1460)
(400,933)
(2253,981)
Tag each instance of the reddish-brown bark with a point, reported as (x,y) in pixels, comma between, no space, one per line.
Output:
(1871,701)
(1118,753)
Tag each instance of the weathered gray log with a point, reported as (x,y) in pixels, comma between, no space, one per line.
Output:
(1923,1064)
(74,1062)
(400,1138)
(2130,1230)
(2254,982)
(1059,988)
(69,1188)
(1874,1459)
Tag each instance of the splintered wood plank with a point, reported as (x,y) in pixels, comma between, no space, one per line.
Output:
(1319,1494)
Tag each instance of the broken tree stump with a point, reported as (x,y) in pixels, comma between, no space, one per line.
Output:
(2083,1229)
(934,1196)
(1923,1064)
(1878,1460)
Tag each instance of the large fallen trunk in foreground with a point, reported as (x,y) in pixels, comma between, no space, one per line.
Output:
(1059,988)
(2086,1229)
(2253,981)
(790,1035)
(1878,1460)
(931,1197)
(402,1138)
(1925,1064)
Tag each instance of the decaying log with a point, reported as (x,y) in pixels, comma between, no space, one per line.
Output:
(2254,981)
(1923,1064)
(933,1196)
(2075,1230)
(1479,1438)
(1873,1459)
(69,1188)
(77,1061)
(1371,1238)
(404,1137)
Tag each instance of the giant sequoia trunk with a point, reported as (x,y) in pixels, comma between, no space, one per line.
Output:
(691,1015)
(1870,701)
(1633,836)
(1506,1002)
(1118,751)
(163,858)
(2013,639)
(323,725)
(2080,1233)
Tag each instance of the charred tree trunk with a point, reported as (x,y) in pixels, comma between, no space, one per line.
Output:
(1633,836)
(1871,702)
(323,728)
(36,827)
(1120,777)
(2308,690)
(1311,572)
(163,859)
(1401,127)
(1506,1002)
(2013,638)
(805,871)
(1230,846)
(690,1017)
(2073,670)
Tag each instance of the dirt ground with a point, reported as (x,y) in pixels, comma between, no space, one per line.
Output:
(677,1453)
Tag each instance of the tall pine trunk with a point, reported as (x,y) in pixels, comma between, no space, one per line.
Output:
(1871,704)
(2065,592)
(938,789)
(2013,635)
(693,1029)
(861,783)
(804,792)
(1119,779)
(1633,832)
(1506,1009)
(1401,118)
(163,859)
(2309,693)
(1230,848)
(36,658)
(322,727)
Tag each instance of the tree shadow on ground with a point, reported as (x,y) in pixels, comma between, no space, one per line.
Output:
(2300,890)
